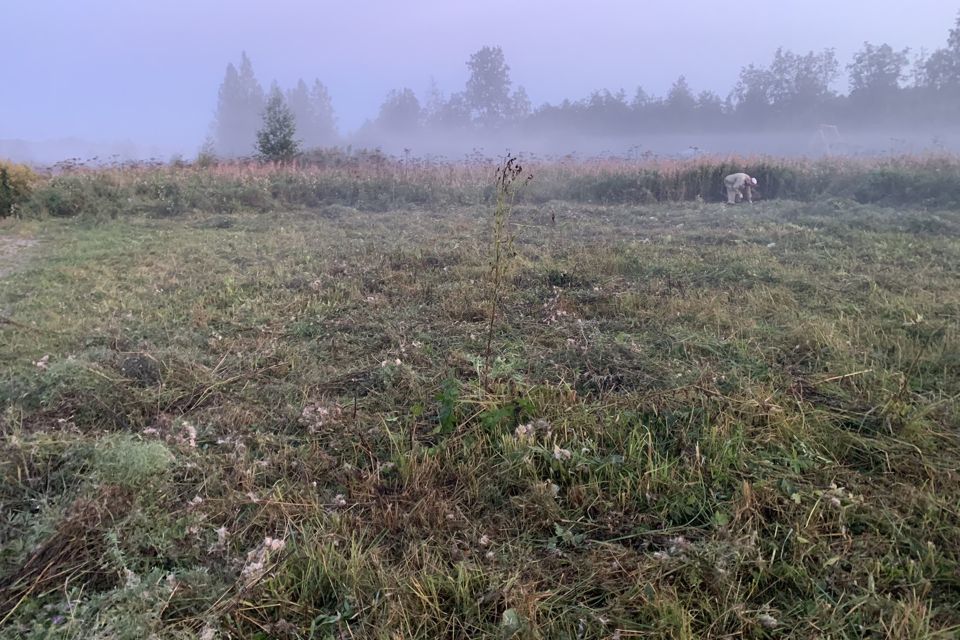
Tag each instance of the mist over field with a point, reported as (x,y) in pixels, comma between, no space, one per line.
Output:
(117,82)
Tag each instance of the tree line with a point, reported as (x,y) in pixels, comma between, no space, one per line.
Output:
(887,88)
(276,124)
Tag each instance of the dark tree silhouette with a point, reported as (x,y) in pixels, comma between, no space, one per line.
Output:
(488,88)
(942,68)
(877,71)
(400,112)
(276,139)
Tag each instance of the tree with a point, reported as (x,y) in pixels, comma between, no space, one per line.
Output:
(754,92)
(454,113)
(400,112)
(877,70)
(298,100)
(434,101)
(324,125)
(228,126)
(709,108)
(640,100)
(275,139)
(793,86)
(942,68)
(918,69)
(520,105)
(802,82)
(680,101)
(488,89)
(239,105)
(604,112)
(313,112)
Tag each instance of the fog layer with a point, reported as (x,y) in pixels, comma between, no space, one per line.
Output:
(141,79)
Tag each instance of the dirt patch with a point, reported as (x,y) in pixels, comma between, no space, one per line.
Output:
(13,253)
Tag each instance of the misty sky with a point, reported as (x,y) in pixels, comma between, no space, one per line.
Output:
(149,71)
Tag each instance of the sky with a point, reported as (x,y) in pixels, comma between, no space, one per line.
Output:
(147,72)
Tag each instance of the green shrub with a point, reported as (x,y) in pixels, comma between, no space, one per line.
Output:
(163,197)
(929,184)
(99,195)
(17,181)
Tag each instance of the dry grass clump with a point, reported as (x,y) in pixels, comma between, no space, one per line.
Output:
(75,554)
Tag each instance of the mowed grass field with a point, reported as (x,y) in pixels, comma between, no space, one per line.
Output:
(702,422)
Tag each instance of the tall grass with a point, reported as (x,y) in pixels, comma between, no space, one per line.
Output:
(375,183)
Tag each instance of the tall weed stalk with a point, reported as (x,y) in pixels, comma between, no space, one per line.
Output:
(509,179)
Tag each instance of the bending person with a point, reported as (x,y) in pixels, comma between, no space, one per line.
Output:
(739,185)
